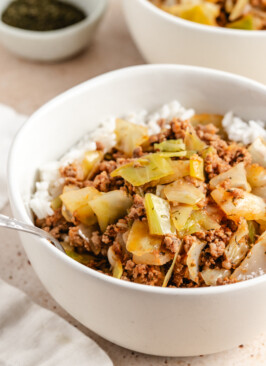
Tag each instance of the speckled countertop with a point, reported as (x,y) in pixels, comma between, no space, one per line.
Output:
(26,86)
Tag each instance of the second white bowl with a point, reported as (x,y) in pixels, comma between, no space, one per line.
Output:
(164,38)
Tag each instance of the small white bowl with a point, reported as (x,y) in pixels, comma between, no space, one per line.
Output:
(154,320)
(53,45)
(164,38)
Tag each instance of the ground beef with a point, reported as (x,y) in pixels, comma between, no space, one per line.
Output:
(55,224)
(76,240)
(142,273)
(137,210)
(172,243)
(214,165)
(72,171)
(179,128)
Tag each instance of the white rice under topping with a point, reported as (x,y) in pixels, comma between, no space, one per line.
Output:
(50,184)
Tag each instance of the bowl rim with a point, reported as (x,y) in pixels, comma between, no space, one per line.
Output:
(200,27)
(99,9)
(19,205)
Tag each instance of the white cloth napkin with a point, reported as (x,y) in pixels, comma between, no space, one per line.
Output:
(10,122)
(31,336)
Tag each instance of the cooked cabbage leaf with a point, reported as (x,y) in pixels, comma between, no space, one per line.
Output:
(237,203)
(110,206)
(183,192)
(193,256)
(171,145)
(158,215)
(144,170)
(255,262)
(238,246)
(210,276)
(76,205)
(236,176)
(169,272)
(115,263)
(129,136)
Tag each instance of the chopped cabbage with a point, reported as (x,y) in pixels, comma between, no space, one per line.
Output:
(236,176)
(180,215)
(181,169)
(193,142)
(255,262)
(155,258)
(56,203)
(247,205)
(238,10)
(158,215)
(169,272)
(238,247)
(183,192)
(171,145)
(256,175)
(76,205)
(140,241)
(129,136)
(115,263)
(203,13)
(193,256)
(196,167)
(210,276)
(91,162)
(149,168)
(110,206)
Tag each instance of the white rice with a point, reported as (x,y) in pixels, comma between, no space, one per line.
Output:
(241,131)
(50,184)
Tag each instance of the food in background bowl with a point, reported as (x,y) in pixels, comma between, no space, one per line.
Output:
(166,199)
(235,14)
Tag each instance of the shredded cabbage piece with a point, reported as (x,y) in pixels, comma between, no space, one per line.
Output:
(110,206)
(91,162)
(237,177)
(180,214)
(238,247)
(158,215)
(76,205)
(169,272)
(237,203)
(56,203)
(193,142)
(210,276)
(197,167)
(171,145)
(144,170)
(256,175)
(181,169)
(255,262)
(129,136)
(139,241)
(193,256)
(115,263)
(183,192)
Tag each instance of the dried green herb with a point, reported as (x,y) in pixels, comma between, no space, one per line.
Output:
(41,15)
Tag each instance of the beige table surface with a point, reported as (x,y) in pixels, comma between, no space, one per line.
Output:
(26,86)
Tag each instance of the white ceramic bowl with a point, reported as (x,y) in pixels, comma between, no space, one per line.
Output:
(164,38)
(158,321)
(53,45)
